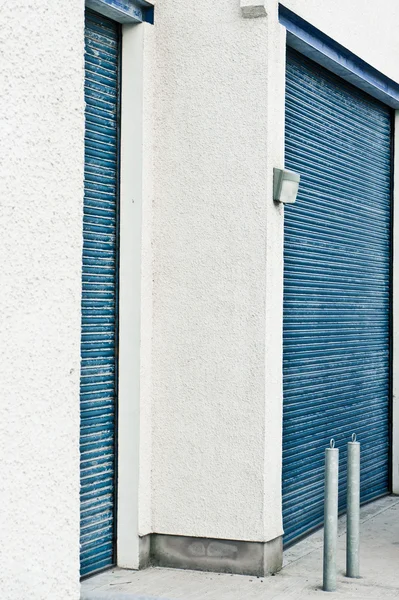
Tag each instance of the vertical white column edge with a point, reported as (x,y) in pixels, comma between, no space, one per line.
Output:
(131,185)
(274,286)
(395,308)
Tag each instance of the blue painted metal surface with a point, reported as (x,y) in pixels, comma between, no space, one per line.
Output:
(98,368)
(337,289)
(123,11)
(322,49)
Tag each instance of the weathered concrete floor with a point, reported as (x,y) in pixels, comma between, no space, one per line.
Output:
(299,579)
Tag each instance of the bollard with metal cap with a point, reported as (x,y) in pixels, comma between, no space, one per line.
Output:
(353,509)
(330,518)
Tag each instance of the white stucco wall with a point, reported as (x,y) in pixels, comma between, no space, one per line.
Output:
(217,256)
(211,441)
(368,29)
(41,190)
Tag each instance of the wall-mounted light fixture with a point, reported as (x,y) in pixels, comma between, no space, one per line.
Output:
(251,9)
(285,186)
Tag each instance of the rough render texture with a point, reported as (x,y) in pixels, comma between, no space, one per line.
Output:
(217,256)
(41,189)
(367,28)
(210,218)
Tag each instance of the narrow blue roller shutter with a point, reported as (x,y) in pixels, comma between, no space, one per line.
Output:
(337,265)
(98,368)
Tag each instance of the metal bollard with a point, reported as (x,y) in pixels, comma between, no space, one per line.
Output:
(330,518)
(353,509)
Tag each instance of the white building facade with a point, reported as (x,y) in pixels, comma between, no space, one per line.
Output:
(153,392)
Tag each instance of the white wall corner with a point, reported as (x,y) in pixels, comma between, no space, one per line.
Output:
(274,273)
(252,9)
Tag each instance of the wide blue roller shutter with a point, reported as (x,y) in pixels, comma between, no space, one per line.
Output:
(337,264)
(99,279)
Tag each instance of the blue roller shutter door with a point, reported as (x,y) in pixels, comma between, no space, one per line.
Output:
(99,295)
(337,274)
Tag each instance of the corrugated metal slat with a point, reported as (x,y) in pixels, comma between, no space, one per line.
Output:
(337,265)
(98,369)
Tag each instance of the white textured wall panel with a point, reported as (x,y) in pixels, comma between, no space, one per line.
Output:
(209,271)
(369,29)
(41,189)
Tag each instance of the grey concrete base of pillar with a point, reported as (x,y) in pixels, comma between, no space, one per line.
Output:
(145,551)
(204,554)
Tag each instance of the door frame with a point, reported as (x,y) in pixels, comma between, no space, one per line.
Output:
(131,200)
(135,18)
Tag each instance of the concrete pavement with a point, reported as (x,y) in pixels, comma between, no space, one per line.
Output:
(300,578)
